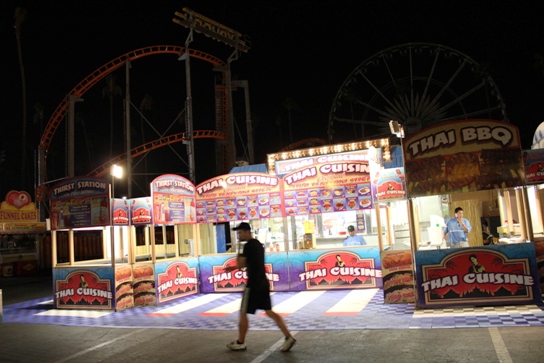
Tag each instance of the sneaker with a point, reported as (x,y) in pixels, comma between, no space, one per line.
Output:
(288,344)
(236,346)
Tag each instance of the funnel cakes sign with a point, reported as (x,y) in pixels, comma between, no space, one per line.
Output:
(329,187)
(240,196)
(478,276)
(463,156)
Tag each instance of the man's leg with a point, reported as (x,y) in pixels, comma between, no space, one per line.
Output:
(243,325)
(279,321)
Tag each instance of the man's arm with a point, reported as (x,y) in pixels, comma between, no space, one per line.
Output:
(240,263)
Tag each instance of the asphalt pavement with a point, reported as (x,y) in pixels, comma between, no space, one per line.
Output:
(57,343)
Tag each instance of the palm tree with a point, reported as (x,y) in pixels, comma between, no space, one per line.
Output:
(111,90)
(279,122)
(146,105)
(20,17)
(290,105)
(38,117)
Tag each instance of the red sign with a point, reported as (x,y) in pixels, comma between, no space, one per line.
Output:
(472,275)
(83,288)
(178,280)
(236,280)
(340,270)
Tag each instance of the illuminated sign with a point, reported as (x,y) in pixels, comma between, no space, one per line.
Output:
(212,29)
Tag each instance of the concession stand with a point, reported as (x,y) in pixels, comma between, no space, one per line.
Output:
(80,219)
(140,261)
(465,164)
(534,159)
(20,234)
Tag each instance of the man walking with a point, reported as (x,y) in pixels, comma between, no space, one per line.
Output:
(257,292)
(457,229)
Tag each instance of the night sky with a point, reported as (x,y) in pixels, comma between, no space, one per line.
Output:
(300,50)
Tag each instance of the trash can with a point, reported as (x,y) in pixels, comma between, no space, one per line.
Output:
(7,269)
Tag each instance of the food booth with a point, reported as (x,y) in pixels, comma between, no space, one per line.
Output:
(140,259)
(470,164)
(300,210)
(20,234)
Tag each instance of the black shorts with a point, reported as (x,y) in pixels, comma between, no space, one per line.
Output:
(256,298)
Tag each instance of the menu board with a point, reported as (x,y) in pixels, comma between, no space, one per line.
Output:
(173,200)
(328,187)
(240,196)
(80,202)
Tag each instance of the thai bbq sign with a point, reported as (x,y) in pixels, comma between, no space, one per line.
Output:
(463,156)
(478,276)
(238,196)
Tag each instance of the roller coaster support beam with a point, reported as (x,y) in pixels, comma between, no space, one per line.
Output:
(189,107)
(72,99)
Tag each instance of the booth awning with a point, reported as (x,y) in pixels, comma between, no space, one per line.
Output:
(256,168)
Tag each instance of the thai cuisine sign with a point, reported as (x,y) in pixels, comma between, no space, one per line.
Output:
(238,197)
(329,187)
(496,274)
(463,156)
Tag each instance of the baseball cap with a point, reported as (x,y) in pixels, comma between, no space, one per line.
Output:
(351,228)
(243,225)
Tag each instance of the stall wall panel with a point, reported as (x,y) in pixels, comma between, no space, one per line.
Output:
(487,275)
(353,268)
(213,278)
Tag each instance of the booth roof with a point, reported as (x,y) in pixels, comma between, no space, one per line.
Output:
(256,168)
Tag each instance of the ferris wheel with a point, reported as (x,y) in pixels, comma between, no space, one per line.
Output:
(416,84)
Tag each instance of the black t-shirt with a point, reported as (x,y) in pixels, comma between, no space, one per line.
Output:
(254,254)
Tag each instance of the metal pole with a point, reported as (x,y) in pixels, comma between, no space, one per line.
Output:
(72,99)
(127,129)
(230,118)
(249,125)
(112,233)
(189,109)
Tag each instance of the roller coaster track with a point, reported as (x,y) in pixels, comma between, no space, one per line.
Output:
(152,145)
(99,74)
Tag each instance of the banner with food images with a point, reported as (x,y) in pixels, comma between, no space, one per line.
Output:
(173,200)
(463,156)
(328,187)
(239,196)
(124,292)
(495,274)
(398,277)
